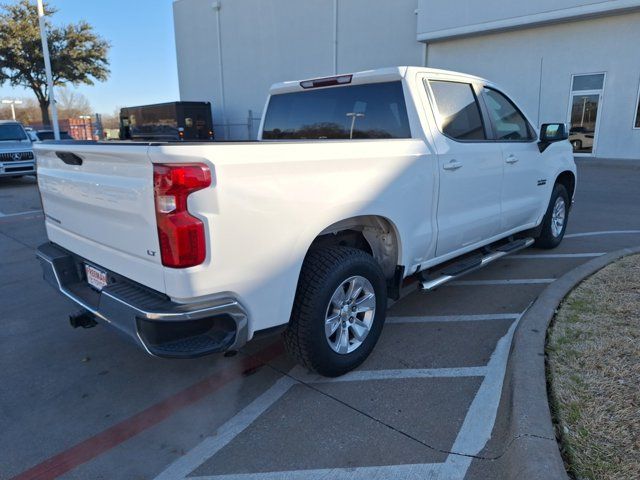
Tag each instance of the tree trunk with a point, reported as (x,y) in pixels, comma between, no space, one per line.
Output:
(44,110)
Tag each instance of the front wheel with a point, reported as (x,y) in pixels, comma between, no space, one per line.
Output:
(554,223)
(338,312)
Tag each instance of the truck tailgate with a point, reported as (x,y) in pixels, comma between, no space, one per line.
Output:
(99,203)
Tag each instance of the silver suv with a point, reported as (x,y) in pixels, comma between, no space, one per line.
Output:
(16,152)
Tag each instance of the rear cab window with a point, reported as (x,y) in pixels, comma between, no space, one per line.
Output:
(368,111)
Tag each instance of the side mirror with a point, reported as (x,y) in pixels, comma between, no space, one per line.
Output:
(550,133)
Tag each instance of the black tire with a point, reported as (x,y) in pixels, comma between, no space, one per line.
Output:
(323,271)
(547,239)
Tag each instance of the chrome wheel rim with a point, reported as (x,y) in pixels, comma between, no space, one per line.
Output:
(558,217)
(350,314)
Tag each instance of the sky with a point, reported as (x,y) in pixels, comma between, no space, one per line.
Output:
(142,56)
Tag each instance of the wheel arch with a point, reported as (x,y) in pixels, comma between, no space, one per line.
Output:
(374,234)
(568,180)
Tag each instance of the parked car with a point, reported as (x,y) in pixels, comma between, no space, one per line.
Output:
(581,138)
(16,152)
(42,135)
(358,182)
(31,133)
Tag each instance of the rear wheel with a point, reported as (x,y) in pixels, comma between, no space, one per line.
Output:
(554,223)
(339,310)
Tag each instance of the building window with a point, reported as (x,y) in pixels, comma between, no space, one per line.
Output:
(459,112)
(584,109)
(588,82)
(375,110)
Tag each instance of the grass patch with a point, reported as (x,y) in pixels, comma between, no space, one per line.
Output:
(593,369)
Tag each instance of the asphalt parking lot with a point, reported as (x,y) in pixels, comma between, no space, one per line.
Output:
(84,404)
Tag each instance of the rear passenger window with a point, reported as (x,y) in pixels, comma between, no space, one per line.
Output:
(375,110)
(459,112)
(506,120)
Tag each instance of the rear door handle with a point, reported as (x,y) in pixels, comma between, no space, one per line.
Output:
(452,165)
(511,159)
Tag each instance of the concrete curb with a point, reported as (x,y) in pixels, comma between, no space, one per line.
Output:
(523,444)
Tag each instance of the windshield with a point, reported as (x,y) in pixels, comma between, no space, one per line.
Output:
(12,131)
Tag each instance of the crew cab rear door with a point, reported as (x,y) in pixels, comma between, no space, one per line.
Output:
(470,167)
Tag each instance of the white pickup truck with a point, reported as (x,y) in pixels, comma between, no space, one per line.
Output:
(356,183)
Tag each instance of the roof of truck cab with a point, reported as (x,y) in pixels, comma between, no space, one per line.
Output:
(387,74)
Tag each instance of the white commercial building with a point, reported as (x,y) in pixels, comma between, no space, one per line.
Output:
(562,60)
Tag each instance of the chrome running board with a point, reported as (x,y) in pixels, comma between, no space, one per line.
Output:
(492,256)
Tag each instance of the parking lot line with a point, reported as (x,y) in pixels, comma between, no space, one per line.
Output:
(225,434)
(397,374)
(185,465)
(29,212)
(472,437)
(478,423)
(452,318)
(557,255)
(121,432)
(516,281)
(606,232)
(425,471)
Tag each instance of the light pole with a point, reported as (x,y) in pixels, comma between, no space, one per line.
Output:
(13,108)
(47,67)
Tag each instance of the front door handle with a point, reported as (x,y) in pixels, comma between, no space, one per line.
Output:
(511,159)
(452,165)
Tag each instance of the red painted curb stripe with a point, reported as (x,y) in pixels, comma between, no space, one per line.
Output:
(112,437)
(20,218)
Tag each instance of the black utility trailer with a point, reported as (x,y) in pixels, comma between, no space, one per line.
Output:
(173,121)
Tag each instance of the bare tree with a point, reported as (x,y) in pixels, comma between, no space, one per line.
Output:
(27,112)
(71,104)
(112,121)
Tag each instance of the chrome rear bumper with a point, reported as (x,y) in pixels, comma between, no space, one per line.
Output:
(160,326)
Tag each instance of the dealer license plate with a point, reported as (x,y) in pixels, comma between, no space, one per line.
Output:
(96,278)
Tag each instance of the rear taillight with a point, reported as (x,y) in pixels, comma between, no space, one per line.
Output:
(182,239)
